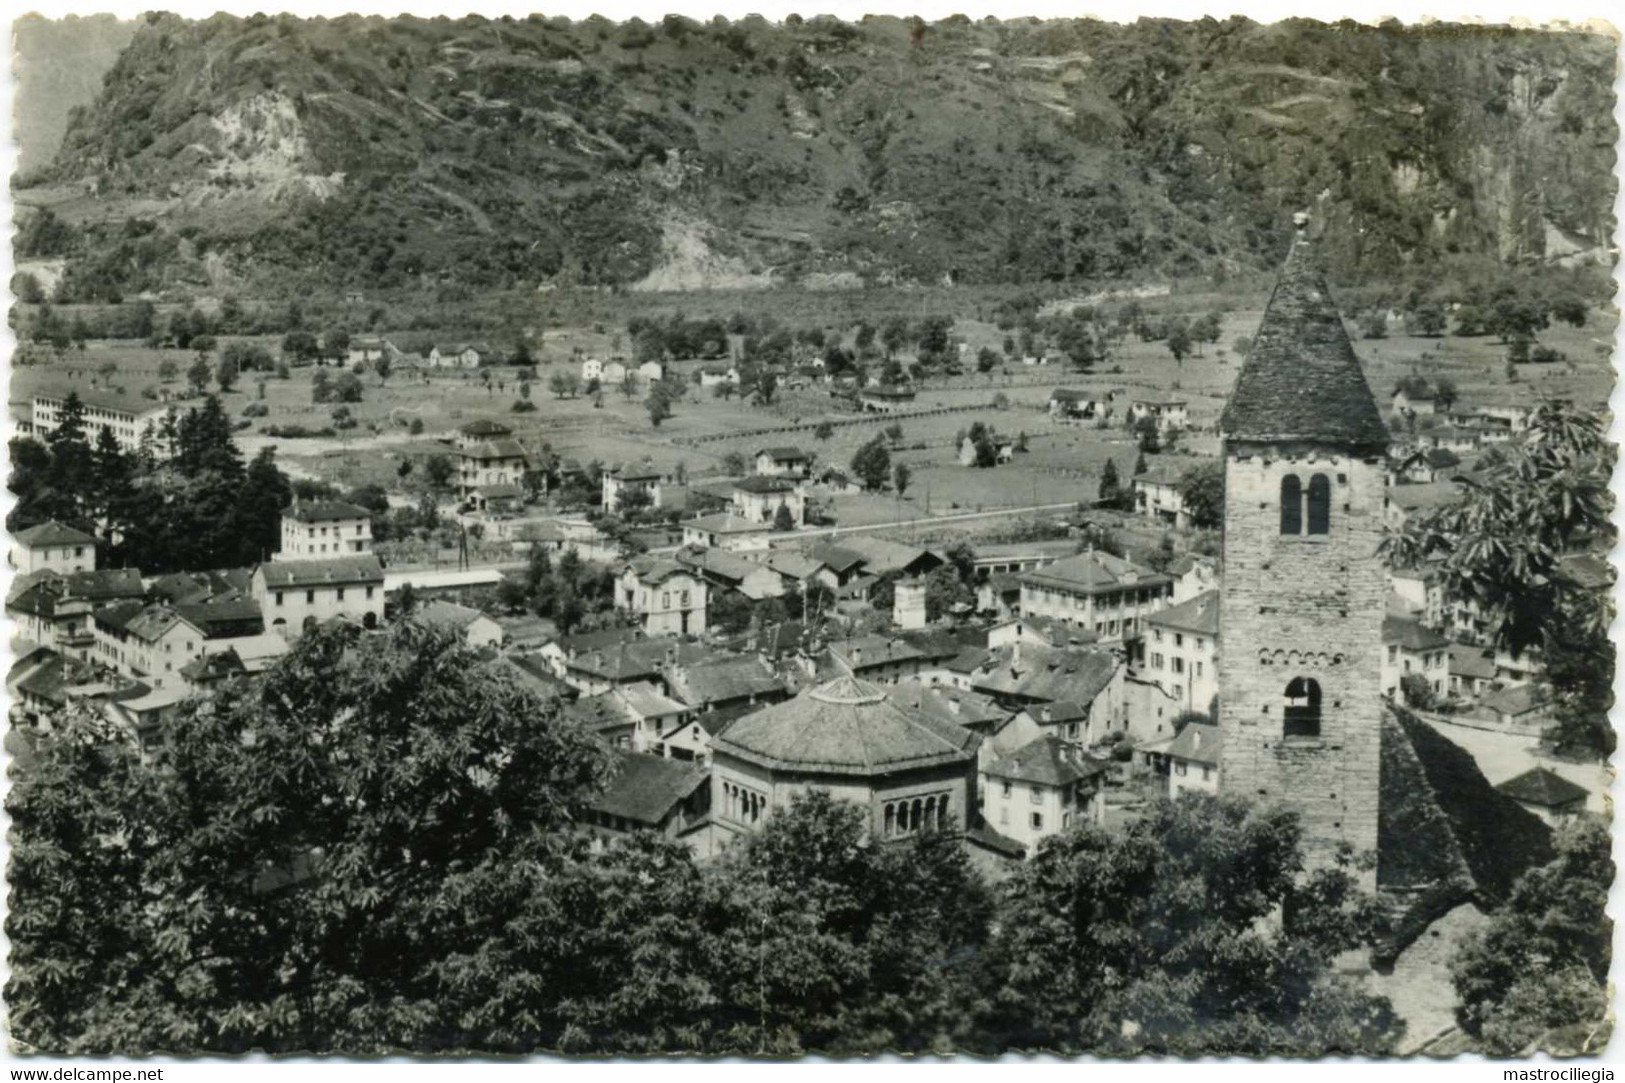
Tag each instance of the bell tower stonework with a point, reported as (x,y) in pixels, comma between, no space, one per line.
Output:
(1302,595)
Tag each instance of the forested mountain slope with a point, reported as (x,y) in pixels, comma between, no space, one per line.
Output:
(363,152)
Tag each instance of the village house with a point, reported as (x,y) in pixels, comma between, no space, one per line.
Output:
(1097,591)
(651,712)
(1038,631)
(760,498)
(1169,414)
(712,375)
(727,531)
(131,420)
(1426,467)
(55,610)
(905,768)
(1011,558)
(1020,677)
(54,547)
(618,484)
(1061,720)
(1400,502)
(1410,648)
(456,355)
(500,461)
(592,368)
(1523,707)
(1194,758)
(652,372)
(709,684)
(1193,574)
(885,400)
(1157,496)
(474,627)
(882,557)
(649,793)
(795,570)
(783,462)
(726,571)
(1471,669)
(1042,789)
(317,529)
(877,658)
(1070,406)
(366,349)
(245,656)
(297,595)
(663,596)
(1418,404)
(152,643)
(839,567)
(480,431)
(1421,593)
(1181,652)
(1547,794)
(613,374)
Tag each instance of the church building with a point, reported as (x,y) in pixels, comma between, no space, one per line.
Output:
(1302,597)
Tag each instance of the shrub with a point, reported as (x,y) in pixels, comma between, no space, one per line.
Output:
(297,432)
(256,409)
(520,406)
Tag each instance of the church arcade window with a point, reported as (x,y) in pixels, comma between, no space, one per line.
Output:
(1320,504)
(1302,708)
(1291,505)
(1306,511)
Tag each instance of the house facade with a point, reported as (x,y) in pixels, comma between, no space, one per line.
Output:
(759,499)
(1157,496)
(783,462)
(130,420)
(618,483)
(666,598)
(1041,789)
(52,546)
(1099,592)
(1181,652)
(319,529)
(500,461)
(296,595)
(1169,415)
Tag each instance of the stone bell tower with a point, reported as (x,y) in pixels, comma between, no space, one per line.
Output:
(1301,602)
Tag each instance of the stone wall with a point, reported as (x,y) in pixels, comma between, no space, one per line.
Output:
(1306,606)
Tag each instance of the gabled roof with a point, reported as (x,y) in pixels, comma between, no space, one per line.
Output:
(654,570)
(762,483)
(881,556)
(1041,673)
(1200,615)
(861,652)
(448,615)
(644,700)
(1198,742)
(1519,699)
(845,727)
(190,588)
(326,511)
(1160,474)
(955,705)
(1409,634)
(783,454)
(119,615)
(837,558)
(52,533)
(718,562)
(485,427)
(645,789)
(1467,660)
(501,448)
(1047,761)
(1542,786)
(1092,572)
(226,618)
(1302,380)
(722,680)
(791,565)
(727,523)
(1057,713)
(336,571)
(636,473)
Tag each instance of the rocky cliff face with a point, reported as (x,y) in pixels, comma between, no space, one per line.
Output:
(514,152)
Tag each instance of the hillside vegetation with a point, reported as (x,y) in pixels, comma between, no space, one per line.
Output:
(276,155)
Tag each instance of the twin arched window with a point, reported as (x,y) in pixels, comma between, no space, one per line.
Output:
(1300,508)
(1302,708)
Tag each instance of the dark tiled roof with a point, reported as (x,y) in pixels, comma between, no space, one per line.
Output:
(1542,786)
(1048,761)
(1467,660)
(784,454)
(52,533)
(837,559)
(326,511)
(725,680)
(1059,712)
(1198,743)
(485,427)
(494,449)
(1408,632)
(881,556)
(845,727)
(1041,673)
(226,619)
(1302,380)
(646,788)
(1091,572)
(338,571)
(119,615)
(765,484)
(1200,614)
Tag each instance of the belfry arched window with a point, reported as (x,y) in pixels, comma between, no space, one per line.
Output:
(1291,505)
(1320,504)
(1302,714)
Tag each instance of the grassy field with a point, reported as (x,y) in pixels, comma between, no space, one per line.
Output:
(1063,463)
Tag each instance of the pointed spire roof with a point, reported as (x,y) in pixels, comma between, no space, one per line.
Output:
(1302,381)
